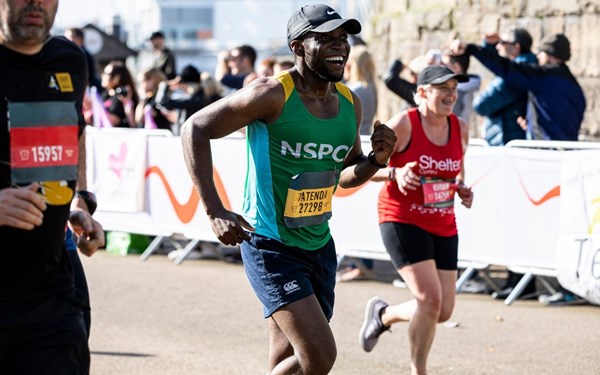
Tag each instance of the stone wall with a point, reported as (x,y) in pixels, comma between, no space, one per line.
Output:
(407,28)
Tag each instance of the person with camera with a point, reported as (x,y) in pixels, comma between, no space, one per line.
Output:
(120,96)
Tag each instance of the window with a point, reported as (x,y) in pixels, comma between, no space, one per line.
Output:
(187,18)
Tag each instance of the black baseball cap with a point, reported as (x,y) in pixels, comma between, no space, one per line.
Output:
(189,74)
(157,34)
(318,18)
(438,74)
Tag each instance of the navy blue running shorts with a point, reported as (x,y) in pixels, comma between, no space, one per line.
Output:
(281,274)
(409,244)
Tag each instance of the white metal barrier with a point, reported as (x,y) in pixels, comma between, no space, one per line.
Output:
(514,220)
(548,152)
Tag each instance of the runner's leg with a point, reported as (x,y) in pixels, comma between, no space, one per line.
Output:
(307,331)
(279,347)
(423,281)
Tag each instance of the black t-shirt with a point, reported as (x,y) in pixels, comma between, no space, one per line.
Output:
(161,121)
(187,106)
(114,106)
(166,63)
(34,263)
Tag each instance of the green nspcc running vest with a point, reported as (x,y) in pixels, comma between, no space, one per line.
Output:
(294,166)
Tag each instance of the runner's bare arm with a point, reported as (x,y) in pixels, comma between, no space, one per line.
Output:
(89,232)
(78,203)
(357,168)
(400,124)
(262,100)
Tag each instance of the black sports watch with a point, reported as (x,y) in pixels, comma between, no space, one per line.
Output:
(373,161)
(89,198)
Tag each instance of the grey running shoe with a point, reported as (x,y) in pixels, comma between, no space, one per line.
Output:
(372,326)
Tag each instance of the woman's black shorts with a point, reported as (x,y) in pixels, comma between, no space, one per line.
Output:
(409,244)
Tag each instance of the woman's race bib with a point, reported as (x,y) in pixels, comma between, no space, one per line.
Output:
(438,192)
(308,200)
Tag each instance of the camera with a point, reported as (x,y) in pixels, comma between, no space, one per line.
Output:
(121,90)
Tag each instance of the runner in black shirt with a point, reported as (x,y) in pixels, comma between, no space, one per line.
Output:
(43,81)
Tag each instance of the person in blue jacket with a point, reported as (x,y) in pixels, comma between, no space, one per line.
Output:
(557,103)
(502,103)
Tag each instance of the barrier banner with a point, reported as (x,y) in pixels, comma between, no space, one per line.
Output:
(480,228)
(530,193)
(143,186)
(578,249)
(172,199)
(119,163)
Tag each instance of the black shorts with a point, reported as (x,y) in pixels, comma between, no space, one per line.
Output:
(43,336)
(281,274)
(409,244)
(81,288)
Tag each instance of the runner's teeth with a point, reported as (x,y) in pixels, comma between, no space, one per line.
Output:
(335,59)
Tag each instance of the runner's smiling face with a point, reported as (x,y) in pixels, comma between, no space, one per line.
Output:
(441,97)
(327,53)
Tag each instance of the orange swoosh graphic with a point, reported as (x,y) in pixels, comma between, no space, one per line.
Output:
(185,212)
(552,193)
(484,175)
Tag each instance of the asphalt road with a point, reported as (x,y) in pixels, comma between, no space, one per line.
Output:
(201,317)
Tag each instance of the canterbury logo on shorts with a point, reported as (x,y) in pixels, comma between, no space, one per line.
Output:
(291,287)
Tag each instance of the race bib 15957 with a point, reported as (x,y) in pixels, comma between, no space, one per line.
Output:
(43,141)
